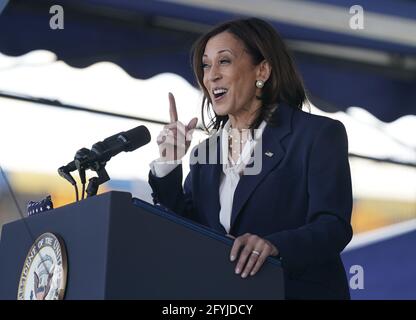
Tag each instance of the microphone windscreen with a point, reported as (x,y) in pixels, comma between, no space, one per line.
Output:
(137,137)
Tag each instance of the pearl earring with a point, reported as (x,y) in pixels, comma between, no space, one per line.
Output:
(259,84)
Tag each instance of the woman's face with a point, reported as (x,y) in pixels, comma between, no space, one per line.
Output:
(230,75)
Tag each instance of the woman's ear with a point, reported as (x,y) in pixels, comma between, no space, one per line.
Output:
(264,70)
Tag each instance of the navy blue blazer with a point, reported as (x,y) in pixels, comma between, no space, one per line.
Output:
(301,201)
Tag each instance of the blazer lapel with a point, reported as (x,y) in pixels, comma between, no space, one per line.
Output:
(271,155)
(211,177)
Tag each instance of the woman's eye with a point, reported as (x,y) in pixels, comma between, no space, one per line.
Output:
(224,61)
(205,65)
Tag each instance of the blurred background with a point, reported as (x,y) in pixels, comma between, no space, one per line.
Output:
(112,65)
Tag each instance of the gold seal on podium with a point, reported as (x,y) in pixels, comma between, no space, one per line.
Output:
(44,271)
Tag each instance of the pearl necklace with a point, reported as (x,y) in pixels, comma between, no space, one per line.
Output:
(236,145)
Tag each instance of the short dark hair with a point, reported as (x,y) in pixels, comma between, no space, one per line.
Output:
(262,42)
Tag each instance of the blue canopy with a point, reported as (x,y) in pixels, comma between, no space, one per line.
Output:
(341,67)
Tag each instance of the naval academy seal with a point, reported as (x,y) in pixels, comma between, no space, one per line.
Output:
(44,271)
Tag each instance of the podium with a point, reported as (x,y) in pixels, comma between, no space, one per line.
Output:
(123,248)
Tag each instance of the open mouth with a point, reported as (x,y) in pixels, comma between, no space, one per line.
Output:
(219,93)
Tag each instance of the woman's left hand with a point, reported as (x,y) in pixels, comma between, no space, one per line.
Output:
(254,251)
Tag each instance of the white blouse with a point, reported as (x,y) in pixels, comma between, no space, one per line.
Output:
(231,170)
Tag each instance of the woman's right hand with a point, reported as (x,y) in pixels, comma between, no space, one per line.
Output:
(175,138)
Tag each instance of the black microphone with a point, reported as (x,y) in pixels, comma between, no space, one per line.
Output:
(64,172)
(123,141)
(96,158)
(104,150)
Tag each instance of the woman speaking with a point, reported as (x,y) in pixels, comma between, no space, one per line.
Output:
(273,177)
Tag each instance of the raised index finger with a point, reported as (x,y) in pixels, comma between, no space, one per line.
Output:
(172,109)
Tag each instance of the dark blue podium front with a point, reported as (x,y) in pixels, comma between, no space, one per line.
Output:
(120,250)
